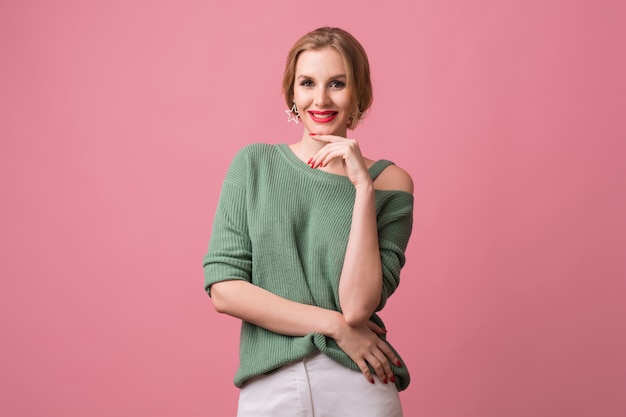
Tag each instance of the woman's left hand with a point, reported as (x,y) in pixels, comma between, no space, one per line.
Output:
(345,149)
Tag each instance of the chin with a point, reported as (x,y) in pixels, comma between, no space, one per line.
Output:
(327,130)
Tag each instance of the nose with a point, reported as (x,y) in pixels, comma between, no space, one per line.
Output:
(321,97)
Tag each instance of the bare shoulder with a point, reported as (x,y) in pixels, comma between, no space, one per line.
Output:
(394,178)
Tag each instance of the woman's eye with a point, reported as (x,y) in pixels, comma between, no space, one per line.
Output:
(337,84)
(306,83)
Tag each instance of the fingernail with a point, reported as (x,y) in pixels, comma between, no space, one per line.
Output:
(371,381)
(319,165)
(399,363)
(309,162)
(393,379)
(385,381)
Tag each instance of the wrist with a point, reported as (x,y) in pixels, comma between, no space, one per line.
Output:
(333,324)
(365,187)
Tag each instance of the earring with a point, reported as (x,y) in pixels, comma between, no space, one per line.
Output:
(291,112)
(355,119)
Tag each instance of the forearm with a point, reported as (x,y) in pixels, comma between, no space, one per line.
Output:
(360,284)
(255,305)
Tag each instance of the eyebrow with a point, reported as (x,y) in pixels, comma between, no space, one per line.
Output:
(312,78)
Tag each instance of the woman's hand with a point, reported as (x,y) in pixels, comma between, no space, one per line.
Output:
(364,347)
(345,149)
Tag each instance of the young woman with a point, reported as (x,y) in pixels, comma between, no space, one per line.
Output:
(307,244)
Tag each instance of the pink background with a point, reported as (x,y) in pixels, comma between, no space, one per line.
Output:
(119,119)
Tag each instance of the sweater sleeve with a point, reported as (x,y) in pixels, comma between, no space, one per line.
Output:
(229,256)
(395,223)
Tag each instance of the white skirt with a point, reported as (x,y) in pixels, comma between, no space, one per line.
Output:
(317,386)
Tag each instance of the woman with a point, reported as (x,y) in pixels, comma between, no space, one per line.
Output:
(307,244)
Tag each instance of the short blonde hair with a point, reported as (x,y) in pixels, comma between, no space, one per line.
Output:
(355,60)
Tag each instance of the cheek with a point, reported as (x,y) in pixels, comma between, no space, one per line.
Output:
(345,99)
(301,98)
(346,104)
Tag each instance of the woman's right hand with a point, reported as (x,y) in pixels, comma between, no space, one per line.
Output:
(363,346)
(250,303)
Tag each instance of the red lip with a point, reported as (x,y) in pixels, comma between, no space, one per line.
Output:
(326,116)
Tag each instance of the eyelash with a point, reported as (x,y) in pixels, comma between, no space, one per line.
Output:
(333,84)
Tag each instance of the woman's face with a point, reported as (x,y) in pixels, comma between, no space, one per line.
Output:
(321,93)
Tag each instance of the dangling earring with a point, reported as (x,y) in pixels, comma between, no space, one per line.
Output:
(291,112)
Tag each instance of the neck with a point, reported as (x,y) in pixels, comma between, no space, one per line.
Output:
(308,147)
(308,144)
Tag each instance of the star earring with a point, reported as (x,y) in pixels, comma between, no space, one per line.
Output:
(291,112)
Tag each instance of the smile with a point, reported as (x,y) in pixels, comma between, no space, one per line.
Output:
(323,116)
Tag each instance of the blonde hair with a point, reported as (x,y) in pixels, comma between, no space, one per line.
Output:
(355,60)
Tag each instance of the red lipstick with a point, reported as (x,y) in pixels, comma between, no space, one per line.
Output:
(323,116)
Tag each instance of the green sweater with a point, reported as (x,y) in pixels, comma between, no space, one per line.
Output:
(284,227)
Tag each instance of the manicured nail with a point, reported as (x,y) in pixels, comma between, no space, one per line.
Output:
(399,364)
(371,381)
(385,381)
(319,165)
(393,379)
(309,162)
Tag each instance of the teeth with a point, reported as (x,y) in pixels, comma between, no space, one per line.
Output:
(322,116)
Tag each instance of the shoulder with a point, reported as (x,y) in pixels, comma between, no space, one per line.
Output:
(253,150)
(394,178)
(248,159)
(253,153)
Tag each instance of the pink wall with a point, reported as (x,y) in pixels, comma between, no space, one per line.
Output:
(119,118)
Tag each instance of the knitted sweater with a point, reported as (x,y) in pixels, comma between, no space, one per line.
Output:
(284,227)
